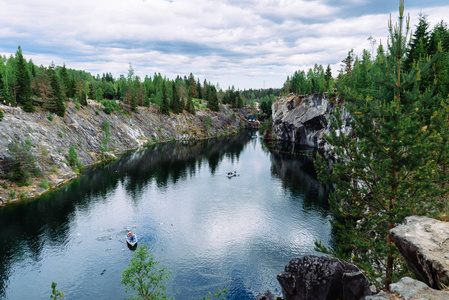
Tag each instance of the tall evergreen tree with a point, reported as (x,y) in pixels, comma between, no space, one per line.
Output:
(23,92)
(419,43)
(192,85)
(189,104)
(328,76)
(57,104)
(212,101)
(390,166)
(165,107)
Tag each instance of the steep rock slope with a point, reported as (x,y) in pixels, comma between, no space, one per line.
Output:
(305,120)
(84,130)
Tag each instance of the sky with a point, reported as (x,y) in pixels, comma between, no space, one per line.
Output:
(241,43)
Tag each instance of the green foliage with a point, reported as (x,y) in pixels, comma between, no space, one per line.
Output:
(110,106)
(23,89)
(72,159)
(391,165)
(45,184)
(218,295)
(165,107)
(1,115)
(55,104)
(212,99)
(83,98)
(12,194)
(99,94)
(144,277)
(106,140)
(56,294)
(20,163)
(207,123)
(266,125)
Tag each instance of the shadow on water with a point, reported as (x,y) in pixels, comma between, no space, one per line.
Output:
(294,165)
(26,225)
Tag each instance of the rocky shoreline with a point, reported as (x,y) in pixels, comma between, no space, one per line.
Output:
(84,129)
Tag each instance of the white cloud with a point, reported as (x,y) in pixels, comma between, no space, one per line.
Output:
(246,41)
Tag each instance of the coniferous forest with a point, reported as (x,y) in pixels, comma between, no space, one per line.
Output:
(393,164)
(27,85)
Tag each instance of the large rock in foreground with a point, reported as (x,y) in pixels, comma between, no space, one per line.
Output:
(424,243)
(320,277)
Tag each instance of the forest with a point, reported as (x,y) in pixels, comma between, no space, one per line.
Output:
(29,86)
(393,163)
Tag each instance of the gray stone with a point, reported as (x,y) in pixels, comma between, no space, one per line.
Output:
(321,277)
(424,243)
(411,289)
(267,295)
(306,120)
(83,129)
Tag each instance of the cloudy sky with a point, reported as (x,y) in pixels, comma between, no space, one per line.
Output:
(245,43)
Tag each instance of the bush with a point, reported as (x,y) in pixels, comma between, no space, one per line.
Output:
(20,163)
(110,106)
(72,158)
(144,277)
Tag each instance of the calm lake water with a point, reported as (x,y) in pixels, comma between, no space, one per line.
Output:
(210,231)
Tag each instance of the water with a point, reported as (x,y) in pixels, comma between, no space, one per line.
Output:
(210,231)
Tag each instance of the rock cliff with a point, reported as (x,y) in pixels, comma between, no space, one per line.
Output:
(83,128)
(305,120)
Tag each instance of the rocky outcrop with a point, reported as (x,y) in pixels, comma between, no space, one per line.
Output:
(84,129)
(321,277)
(424,243)
(305,120)
(410,289)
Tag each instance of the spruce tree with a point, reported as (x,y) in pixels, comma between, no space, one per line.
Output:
(57,103)
(190,107)
(23,91)
(419,43)
(389,167)
(165,106)
(212,101)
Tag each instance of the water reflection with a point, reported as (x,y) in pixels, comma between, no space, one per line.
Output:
(294,164)
(27,225)
(210,231)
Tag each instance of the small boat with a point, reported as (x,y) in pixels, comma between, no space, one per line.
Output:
(231,174)
(131,239)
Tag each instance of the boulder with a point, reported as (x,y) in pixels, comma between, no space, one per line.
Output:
(424,243)
(411,289)
(267,295)
(321,277)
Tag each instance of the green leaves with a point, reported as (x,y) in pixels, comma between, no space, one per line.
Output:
(388,167)
(144,276)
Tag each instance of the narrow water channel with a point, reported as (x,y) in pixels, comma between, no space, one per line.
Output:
(210,231)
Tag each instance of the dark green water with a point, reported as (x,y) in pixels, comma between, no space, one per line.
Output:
(210,231)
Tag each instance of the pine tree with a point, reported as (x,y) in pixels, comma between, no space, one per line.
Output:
(212,101)
(23,91)
(419,43)
(189,104)
(83,98)
(192,85)
(56,105)
(328,76)
(389,167)
(165,107)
